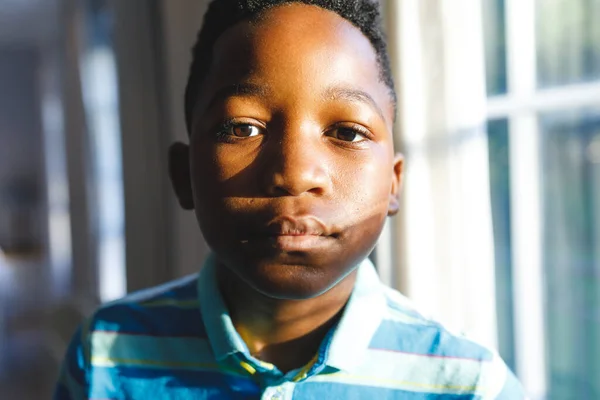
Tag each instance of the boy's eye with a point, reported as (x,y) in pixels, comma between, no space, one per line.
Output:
(347,134)
(243,130)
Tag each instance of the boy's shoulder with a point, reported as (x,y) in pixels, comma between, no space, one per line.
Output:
(418,351)
(171,309)
(405,328)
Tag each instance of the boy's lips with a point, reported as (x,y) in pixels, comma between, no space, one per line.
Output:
(293,234)
(290,226)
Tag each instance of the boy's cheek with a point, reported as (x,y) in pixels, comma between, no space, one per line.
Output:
(222,168)
(231,161)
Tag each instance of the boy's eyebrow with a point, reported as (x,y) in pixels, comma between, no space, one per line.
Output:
(248,89)
(245,89)
(354,95)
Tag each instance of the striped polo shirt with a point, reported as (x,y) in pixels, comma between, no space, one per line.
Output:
(177,341)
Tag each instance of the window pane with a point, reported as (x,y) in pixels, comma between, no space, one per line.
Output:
(571,161)
(100,89)
(500,194)
(494,25)
(568,35)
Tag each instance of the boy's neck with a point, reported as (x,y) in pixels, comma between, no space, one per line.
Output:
(286,333)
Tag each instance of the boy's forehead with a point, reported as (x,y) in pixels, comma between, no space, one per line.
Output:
(296,31)
(297,46)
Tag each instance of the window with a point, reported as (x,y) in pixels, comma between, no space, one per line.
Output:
(543,76)
(99,82)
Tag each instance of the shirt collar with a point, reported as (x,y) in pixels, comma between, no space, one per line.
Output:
(221,333)
(361,319)
(349,343)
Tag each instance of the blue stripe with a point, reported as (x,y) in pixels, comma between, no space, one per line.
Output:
(181,288)
(430,340)
(140,383)
(154,321)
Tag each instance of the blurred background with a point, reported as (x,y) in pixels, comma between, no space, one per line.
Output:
(499,120)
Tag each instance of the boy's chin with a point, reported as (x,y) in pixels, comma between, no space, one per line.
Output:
(292,281)
(297,274)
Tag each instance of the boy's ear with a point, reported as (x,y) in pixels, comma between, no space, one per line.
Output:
(179,172)
(397,175)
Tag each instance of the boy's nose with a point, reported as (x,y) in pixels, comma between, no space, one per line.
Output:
(295,165)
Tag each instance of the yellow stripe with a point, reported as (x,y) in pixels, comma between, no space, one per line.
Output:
(111,362)
(248,367)
(302,374)
(265,365)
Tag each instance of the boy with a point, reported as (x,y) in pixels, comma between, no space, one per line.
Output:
(291,172)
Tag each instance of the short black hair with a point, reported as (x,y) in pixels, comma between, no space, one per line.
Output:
(223,14)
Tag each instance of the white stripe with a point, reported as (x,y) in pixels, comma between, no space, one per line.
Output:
(111,349)
(419,373)
(403,310)
(493,378)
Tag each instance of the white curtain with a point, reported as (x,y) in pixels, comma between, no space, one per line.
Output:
(444,240)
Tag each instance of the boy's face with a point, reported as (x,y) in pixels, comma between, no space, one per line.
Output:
(291,152)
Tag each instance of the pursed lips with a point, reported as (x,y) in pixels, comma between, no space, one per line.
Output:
(293,234)
(291,226)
